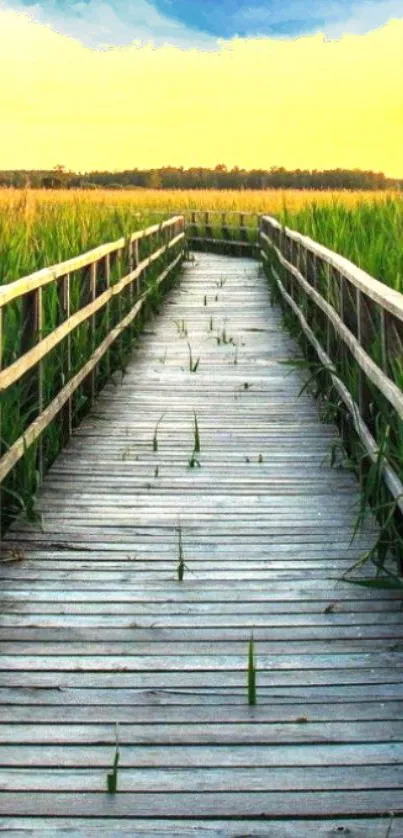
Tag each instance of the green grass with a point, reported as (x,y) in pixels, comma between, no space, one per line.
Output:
(196,447)
(112,776)
(193,365)
(181,559)
(369,234)
(155,437)
(252,695)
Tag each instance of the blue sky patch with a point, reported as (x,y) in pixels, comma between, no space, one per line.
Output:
(200,23)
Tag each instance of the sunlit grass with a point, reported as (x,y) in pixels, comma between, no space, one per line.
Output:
(370,234)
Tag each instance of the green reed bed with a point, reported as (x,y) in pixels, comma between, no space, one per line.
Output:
(369,234)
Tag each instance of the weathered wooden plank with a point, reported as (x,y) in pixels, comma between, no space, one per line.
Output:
(205,780)
(214,755)
(209,713)
(375,827)
(186,645)
(213,662)
(202,694)
(246,733)
(208,805)
(211,679)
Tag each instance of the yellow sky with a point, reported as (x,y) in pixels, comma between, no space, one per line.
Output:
(254,103)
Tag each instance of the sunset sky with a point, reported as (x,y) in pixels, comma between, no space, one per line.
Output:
(110,84)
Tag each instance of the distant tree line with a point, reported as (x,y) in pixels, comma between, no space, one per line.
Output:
(220,177)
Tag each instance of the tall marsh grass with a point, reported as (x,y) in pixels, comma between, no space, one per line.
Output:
(370,233)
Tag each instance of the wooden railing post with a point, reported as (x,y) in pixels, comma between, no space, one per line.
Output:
(364,392)
(67,409)
(32,325)
(224,228)
(382,330)
(93,328)
(209,232)
(136,261)
(107,270)
(242,226)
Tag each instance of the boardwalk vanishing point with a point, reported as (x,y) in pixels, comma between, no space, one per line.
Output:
(101,642)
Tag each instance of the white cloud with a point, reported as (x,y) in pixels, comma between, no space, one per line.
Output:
(98,24)
(364,17)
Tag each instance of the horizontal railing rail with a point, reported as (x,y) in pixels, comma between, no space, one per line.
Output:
(344,313)
(231,230)
(101,292)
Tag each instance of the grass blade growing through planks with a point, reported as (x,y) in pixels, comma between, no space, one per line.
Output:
(251,673)
(112,777)
(196,435)
(155,437)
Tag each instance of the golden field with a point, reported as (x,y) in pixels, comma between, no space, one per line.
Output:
(42,227)
(247,200)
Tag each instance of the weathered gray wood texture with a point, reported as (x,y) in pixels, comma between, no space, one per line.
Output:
(95,628)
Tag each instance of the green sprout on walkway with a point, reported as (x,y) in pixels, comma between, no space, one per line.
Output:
(112,776)
(251,673)
(193,365)
(155,437)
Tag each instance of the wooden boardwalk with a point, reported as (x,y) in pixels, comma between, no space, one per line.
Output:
(95,627)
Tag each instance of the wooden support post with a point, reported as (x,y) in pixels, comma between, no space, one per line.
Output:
(107,269)
(32,325)
(166,234)
(224,228)
(130,291)
(208,230)
(328,298)
(193,223)
(136,264)
(118,262)
(242,227)
(66,414)
(93,328)
(364,393)
(382,331)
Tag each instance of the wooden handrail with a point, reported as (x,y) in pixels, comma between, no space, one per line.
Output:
(388,388)
(377,291)
(25,363)
(39,279)
(275,238)
(35,348)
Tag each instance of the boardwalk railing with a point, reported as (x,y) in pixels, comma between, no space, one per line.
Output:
(65,322)
(354,323)
(229,232)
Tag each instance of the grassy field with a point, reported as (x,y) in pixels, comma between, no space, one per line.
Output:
(369,234)
(39,228)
